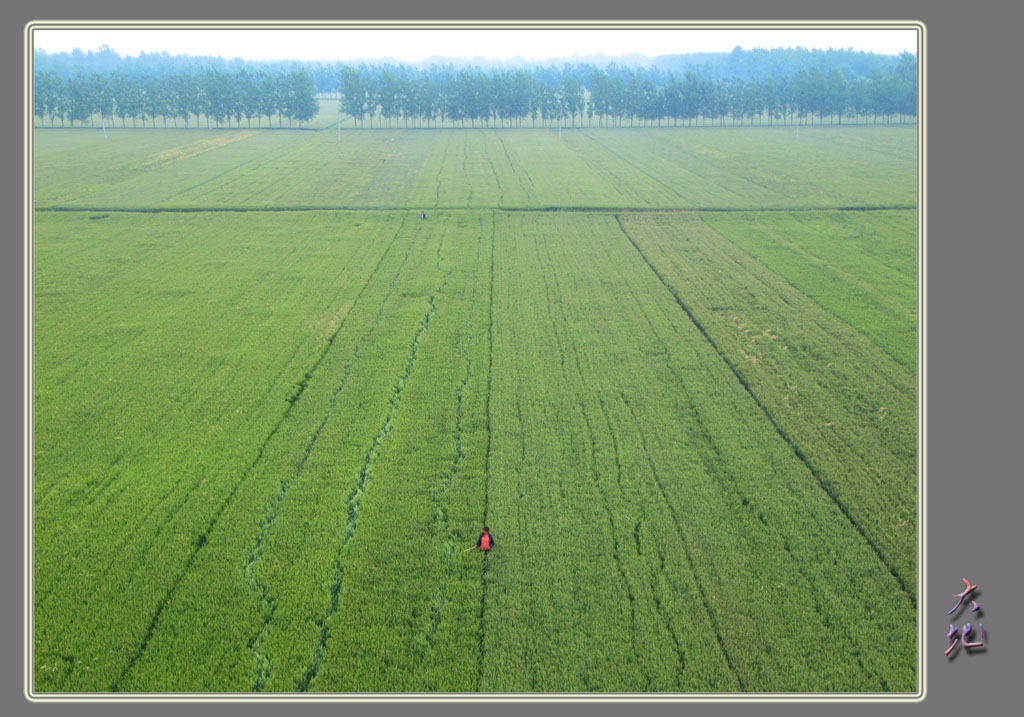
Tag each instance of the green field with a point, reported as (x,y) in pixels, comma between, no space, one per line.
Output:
(674,370)
(713,168)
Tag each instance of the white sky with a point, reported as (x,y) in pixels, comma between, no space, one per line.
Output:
(418,44)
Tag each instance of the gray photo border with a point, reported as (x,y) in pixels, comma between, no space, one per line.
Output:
(970,403)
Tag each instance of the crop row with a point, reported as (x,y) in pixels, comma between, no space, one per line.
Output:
(663,535)
(190,169)
(408,619)
(860,267)
(149,420)
(352,567)
(314,416)
(848,410)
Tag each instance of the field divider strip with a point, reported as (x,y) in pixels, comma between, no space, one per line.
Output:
(584,209)
(778,429)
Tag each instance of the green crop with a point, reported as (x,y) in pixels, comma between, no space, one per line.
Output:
(768,168)
(862,267)
(273,408)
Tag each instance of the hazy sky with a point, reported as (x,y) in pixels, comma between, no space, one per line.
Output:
(418,44)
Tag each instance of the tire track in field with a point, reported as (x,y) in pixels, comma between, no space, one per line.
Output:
(679,650)
(440,492)
(494,171)
(686,546)
(487,471)
(355,496)
(98,487)
(763,279)
(522,566)
(440,171)
(580,400)
(722,247)
(228,309)
(519,172)
(153,537)
(616,548)
(201,541)
(175,510)
(851,447)
(771,419)
(465,170)
(718,184)
(255,553)
(799,565)
(635,166)
(715,464)
(848,279)
(242,169)
(108,313)
(441,519)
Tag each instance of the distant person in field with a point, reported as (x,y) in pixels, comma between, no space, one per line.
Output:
(423,215)
(486,540)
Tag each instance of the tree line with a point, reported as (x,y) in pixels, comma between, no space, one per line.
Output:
(217,96)
(386,95)
(755,63)
(583,95)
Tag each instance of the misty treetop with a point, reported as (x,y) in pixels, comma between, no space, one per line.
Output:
(584,95)
(217,96)
(755,63)
(454,95)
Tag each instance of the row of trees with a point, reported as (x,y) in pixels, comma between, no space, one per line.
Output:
(218,97)
(755,63)
(617,96)
(573,95)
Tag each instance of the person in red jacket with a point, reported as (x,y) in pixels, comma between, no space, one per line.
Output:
(486,540)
